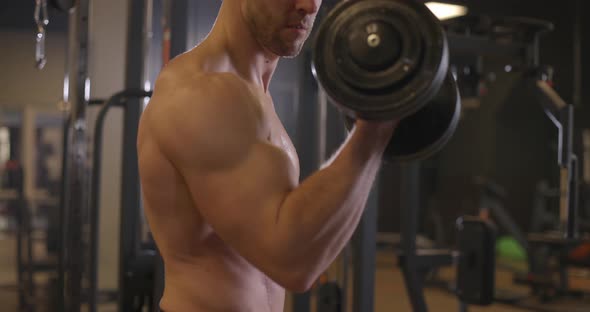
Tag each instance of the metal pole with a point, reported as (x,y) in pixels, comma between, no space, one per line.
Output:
(130,225)
(572,224)
(586,156)
(364,256)
(409,207)
(567,214)
(94,240)
(562,115)
(178,27)
(23,285)
(585,175)
(159,285)
(577,34)
(62,218)
(76,203)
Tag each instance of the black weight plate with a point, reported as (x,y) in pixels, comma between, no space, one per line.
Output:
(396,91)
(427,131)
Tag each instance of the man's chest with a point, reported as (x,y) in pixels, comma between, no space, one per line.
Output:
(278,136)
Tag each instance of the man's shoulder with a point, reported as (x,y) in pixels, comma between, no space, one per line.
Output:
(199,90)
(200,103)
(207,110)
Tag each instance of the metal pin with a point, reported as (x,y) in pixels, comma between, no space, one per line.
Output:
(373,40)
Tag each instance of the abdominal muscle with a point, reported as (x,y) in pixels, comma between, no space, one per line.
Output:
(217,281)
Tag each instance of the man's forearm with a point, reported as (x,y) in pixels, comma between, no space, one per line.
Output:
(318,218)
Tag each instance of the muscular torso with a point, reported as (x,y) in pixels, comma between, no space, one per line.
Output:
(202,273)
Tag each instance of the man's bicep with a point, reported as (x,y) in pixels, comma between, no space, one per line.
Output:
(241,200)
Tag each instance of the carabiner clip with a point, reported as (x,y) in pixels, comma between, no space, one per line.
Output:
(42,20)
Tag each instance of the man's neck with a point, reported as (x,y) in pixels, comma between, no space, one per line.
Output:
(232,35)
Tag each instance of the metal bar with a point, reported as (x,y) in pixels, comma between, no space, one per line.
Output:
(533,59)
(130,225)
(301,302)
(550,101)
(463,307)
(346,259)
(94,206)
(130,236)
(364,255)
(178,27)
(577,57)
(154,37)
(562,115)
(166,31)
(426,259)
(572,221)
(30,266)
(158,281)
(586,158)
(62,218)
(116,100)
(148,41)
(96,101)
(409,207)
(22,294)
(567,123)
(76,197)
(568,166)
(459,44)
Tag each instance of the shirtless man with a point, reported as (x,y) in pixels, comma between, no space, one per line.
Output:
(220,175)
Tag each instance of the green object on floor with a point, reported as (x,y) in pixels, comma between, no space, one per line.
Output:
(508,248)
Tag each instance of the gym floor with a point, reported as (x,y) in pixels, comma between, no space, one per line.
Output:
(390,291)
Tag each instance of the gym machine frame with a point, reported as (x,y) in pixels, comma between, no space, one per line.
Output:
(75,171)
(536,80)
(415,263)
(75,210)
(562,116)
(144,257)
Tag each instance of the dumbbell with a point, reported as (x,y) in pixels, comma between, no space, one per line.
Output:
(389,59)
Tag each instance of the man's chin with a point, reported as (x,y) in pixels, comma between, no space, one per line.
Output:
(291,52)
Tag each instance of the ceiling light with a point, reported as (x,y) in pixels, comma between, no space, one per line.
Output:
(445,11)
